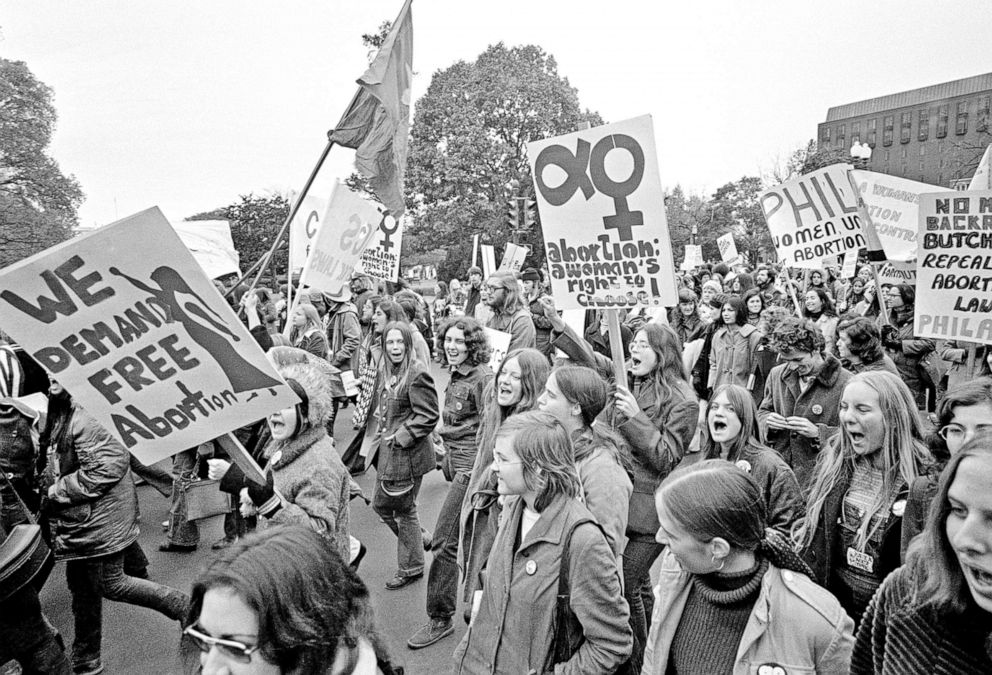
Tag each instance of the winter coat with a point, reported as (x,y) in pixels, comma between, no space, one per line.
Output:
(542,325)
(658,435)
(93,506)
(819,403)
(955,353)
(907,358)
(896,638)
(732,357)
(606,487)
(885,363)
(512,632)
(313,341)
(518,324)
(344,337)
(464,403)
(794,624)
(828,326)
(408,415)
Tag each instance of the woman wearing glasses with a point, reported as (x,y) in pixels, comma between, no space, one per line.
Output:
(965,411)
(910,354)
(545,532)
(254,611)
(851,534)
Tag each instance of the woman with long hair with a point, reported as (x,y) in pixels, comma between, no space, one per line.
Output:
(307,330)
(576,395)
(732,595)
(684,317)
(910,353)
(408,413)
(755,304)
(851,534)
(740,284)
(545,532)
(934,614)
(733,346)
(733,435)
(517,385)
(819,308)
(281,601)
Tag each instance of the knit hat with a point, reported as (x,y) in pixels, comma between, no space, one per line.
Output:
(474,270)
(530,274)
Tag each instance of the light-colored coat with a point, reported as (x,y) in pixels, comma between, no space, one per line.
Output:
(732,355)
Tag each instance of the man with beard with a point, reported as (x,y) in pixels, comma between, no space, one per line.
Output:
(510,312)
(802,395)
(474,290)
(764,279)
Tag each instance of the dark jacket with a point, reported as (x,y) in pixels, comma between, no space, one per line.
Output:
(93,505)
(472,298)
(914,518)
(407,416)
(601,343)
(907,358)
(819,404)
(464,402)
(542,326)
(658,435)
(896,638)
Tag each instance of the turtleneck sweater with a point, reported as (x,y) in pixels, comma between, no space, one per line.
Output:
(713,621)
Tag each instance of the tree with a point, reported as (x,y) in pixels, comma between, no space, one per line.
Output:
(736,209)
(255,221)
(809,158)
(468,141)
(683,212)
(38,203)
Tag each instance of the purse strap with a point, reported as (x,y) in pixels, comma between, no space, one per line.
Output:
(8,488)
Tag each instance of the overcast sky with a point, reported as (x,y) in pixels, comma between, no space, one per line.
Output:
(186,105)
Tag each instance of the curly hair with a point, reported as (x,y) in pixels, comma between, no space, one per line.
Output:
(795,334)
(864,338)
(476,341)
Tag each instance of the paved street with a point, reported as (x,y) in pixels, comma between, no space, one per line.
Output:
(137,640)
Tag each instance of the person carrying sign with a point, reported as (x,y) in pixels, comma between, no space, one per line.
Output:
(510,312)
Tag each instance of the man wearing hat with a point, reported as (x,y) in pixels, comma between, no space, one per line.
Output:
(344,335)
(533,292)
(474,290)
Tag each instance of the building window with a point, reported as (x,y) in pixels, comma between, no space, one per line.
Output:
(905,127)
(982,123)
(841,135)
(826,135)
(872,124)
(961,127)
(942,121)
(887,124)
(855,132)
(923,125)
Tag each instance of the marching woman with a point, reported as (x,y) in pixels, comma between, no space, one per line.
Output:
(575,396)
(516,387)
(548,546)
(851,534)
(307,332)
(733,347)
(408,413)
(934,615)
(657,415)
(732,423)
(466,351)
(732,595)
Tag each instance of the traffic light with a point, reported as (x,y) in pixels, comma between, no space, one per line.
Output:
(513,214)
(530,209)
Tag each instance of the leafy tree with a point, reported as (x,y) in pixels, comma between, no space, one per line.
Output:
(468,141)
(38,202)
(736,209)
(255,221)
(683,212)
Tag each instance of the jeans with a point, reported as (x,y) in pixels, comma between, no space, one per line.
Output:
(638,556)
(182,532)
(93,579)
(442,580)
(399,513)
(26,636)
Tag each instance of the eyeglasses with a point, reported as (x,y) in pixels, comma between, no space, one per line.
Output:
(497,462)
(955,433)
(238,651)
(493,289)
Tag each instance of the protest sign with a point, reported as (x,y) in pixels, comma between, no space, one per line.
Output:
(500,342)
(381,258)
(488,260)
(728,249)
(349,224)
(693,257)
(126,321)
(892,205)
(815,217)
(897,273)
(850,268)
(954,266)
(303,231)
(603,216)
(513,258)
(211,245)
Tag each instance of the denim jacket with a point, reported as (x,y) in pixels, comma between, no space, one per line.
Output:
(464,402)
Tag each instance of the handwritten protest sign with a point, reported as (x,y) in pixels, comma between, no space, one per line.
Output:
(892,204)
(500,342)
(603,217)
(125,319)
(693,257)
(728,249)
(381,258)
(850,268)
(897,273)
(211,245)
(815,217)
(954,266)
(304,228)
(513,258)
(349,225)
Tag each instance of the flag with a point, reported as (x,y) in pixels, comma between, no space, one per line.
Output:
(377,123)
(982,180)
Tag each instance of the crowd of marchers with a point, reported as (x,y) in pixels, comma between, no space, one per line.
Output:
(813,481)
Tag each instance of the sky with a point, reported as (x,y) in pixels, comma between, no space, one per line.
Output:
(187,105)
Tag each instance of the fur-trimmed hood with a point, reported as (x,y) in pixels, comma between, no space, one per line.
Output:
(317,385)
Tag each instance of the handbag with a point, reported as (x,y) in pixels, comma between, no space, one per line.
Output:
(203,497)
(25,558)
